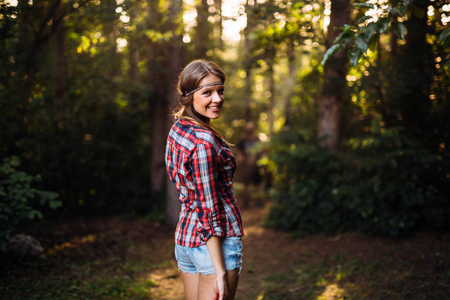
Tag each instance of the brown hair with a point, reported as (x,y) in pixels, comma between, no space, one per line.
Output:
(188,81)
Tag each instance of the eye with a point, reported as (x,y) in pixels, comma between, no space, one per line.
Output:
(206,93)
(221,91)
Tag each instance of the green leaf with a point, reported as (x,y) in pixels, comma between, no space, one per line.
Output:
(444,35)
(383,24)
(347,38)
(15,161)
(370,30)
(354,55)
(444,38)
(363,19)
(363,40)
(346,35)
(33,214)
(330,53)
(361,43)
(55,204)
(399,29)
(365,5)
(393,12)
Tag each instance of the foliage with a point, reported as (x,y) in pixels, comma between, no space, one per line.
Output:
(83,125)
(385,184)
(374,20)
(20,198)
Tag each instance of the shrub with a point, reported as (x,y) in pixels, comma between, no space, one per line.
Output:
(19,197)
(385,184)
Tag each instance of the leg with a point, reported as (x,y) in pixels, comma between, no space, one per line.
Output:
(191,284)
(206,283)
(205,287)
(232,281)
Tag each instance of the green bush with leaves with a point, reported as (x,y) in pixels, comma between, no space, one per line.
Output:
(20,198)
(385,184)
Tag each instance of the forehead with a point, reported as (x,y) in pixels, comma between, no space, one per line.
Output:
(211,78)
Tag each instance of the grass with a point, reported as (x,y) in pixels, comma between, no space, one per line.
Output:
(120,258)
(111,262)
(341,276)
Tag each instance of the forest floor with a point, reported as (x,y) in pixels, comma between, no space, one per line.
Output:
(121,258)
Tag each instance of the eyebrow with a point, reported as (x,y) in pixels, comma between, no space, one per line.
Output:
(201,87)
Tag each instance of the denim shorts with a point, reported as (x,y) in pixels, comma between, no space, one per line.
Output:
(197,260)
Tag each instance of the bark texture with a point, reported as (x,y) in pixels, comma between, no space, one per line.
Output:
(330,106)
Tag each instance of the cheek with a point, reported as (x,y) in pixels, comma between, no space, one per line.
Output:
(197,104)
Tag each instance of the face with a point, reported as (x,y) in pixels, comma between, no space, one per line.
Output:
(208,101)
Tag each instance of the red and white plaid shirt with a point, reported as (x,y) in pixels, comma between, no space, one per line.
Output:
(202,167)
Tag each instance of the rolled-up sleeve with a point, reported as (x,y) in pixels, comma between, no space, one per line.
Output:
(205,174)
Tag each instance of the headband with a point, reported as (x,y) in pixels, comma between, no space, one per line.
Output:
(201,87)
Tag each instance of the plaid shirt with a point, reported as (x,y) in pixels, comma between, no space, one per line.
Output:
(202,167)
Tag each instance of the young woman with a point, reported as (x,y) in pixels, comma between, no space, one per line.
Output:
(208,245)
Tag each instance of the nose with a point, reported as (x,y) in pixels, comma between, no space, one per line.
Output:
(216,97)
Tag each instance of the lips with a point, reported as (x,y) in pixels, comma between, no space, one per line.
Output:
(214,108)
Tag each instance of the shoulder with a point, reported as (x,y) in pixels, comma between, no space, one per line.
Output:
(191,135)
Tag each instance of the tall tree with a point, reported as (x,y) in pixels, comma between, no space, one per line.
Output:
(156,68)
(202,29)
(330,105)
(176,62)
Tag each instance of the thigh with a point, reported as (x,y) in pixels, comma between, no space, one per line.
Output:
(191,284)
(232,282)
(206,285)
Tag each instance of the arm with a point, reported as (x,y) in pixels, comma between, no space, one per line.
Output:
(205,176)
(220,284)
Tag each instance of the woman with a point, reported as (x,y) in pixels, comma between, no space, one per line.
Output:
(208,245)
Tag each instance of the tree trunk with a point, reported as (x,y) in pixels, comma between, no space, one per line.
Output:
(156,81)
(61,71)
(416,61)
(24,58)
(202,29)
(218,6)
(330,106)
(134,58)
(271,107)
(248,63)
(175,64)
(290,84)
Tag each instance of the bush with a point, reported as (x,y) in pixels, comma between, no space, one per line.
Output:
(385,184)
(19,197)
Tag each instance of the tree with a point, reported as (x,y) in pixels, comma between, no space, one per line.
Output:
(330,105)
(175,64)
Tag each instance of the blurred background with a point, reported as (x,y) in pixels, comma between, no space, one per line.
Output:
(353,138)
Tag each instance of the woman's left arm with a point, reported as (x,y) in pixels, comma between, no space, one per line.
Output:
(215,251)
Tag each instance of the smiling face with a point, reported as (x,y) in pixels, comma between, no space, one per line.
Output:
(208,101)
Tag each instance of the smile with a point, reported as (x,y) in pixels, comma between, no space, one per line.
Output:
(214,108)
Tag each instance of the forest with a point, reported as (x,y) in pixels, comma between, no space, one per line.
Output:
(351,102)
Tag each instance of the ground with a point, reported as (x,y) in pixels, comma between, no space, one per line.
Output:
(122,258)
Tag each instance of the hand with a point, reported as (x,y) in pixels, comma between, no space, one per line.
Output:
(220,290)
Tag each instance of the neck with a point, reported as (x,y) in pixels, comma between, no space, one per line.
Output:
(201,117)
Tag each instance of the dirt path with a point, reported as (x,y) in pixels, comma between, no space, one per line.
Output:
(104,257)
(256,263)
(277,266)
